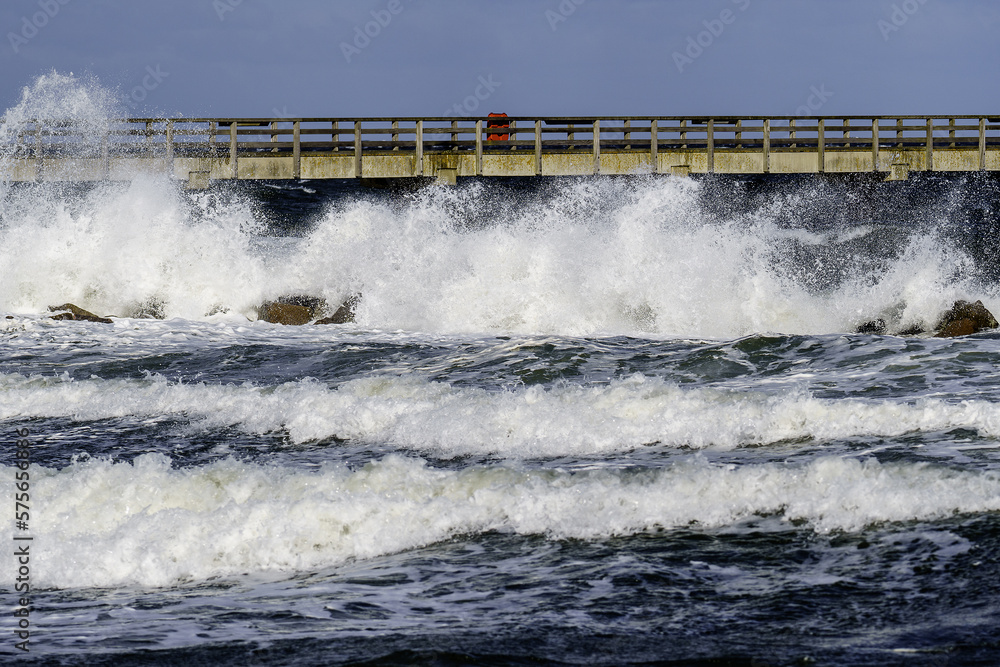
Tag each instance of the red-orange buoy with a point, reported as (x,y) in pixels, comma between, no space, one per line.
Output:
(497,123)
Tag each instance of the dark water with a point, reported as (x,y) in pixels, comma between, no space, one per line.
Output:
(603,421)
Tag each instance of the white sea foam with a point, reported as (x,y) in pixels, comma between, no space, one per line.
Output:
(437,418)
(595,256)
(599,257)
(636,256)
(98,523)
(121,245)
(62,97)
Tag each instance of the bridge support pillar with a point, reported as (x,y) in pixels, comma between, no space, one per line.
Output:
(447,176)
(197,180)
(899,172)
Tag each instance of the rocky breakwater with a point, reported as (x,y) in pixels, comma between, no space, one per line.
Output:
(288,310)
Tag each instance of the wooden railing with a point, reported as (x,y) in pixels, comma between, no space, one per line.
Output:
(179,137)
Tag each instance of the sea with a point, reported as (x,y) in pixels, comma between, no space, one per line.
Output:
(575,421)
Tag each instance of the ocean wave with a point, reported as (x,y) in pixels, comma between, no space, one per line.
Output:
(99,523)
(436,418)
(641,256)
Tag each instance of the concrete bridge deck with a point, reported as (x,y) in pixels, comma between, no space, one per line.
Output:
(200,150)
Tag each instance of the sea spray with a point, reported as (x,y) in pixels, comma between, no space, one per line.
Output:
(112,246)
(635,256)
(644,255)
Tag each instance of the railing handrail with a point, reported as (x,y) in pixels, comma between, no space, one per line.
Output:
(418,135)
(261,121)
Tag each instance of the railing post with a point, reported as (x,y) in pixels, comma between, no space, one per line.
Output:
(597,146)
(930,144)
(538,147)
(296,150)
(653,145)
(212,129)
(335,135)
(982,144)
(395,135)
(274,135)
(821,143)
(479,147)
(105,157)
(38,151)
(170,143)
(875,139)
(357,149)
(767,145)
(420,148)
(628,135)
(710,138)
(232,148)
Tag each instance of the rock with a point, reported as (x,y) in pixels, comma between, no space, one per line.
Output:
(911,330)
(294,309)
(302,309)
(965,318)
(316,305)
(284,313)
(68,311)
(873,327)
(150,309)
(344,314)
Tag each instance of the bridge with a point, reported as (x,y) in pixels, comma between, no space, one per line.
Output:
(201,150)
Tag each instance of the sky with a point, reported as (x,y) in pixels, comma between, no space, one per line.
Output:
(315,58)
